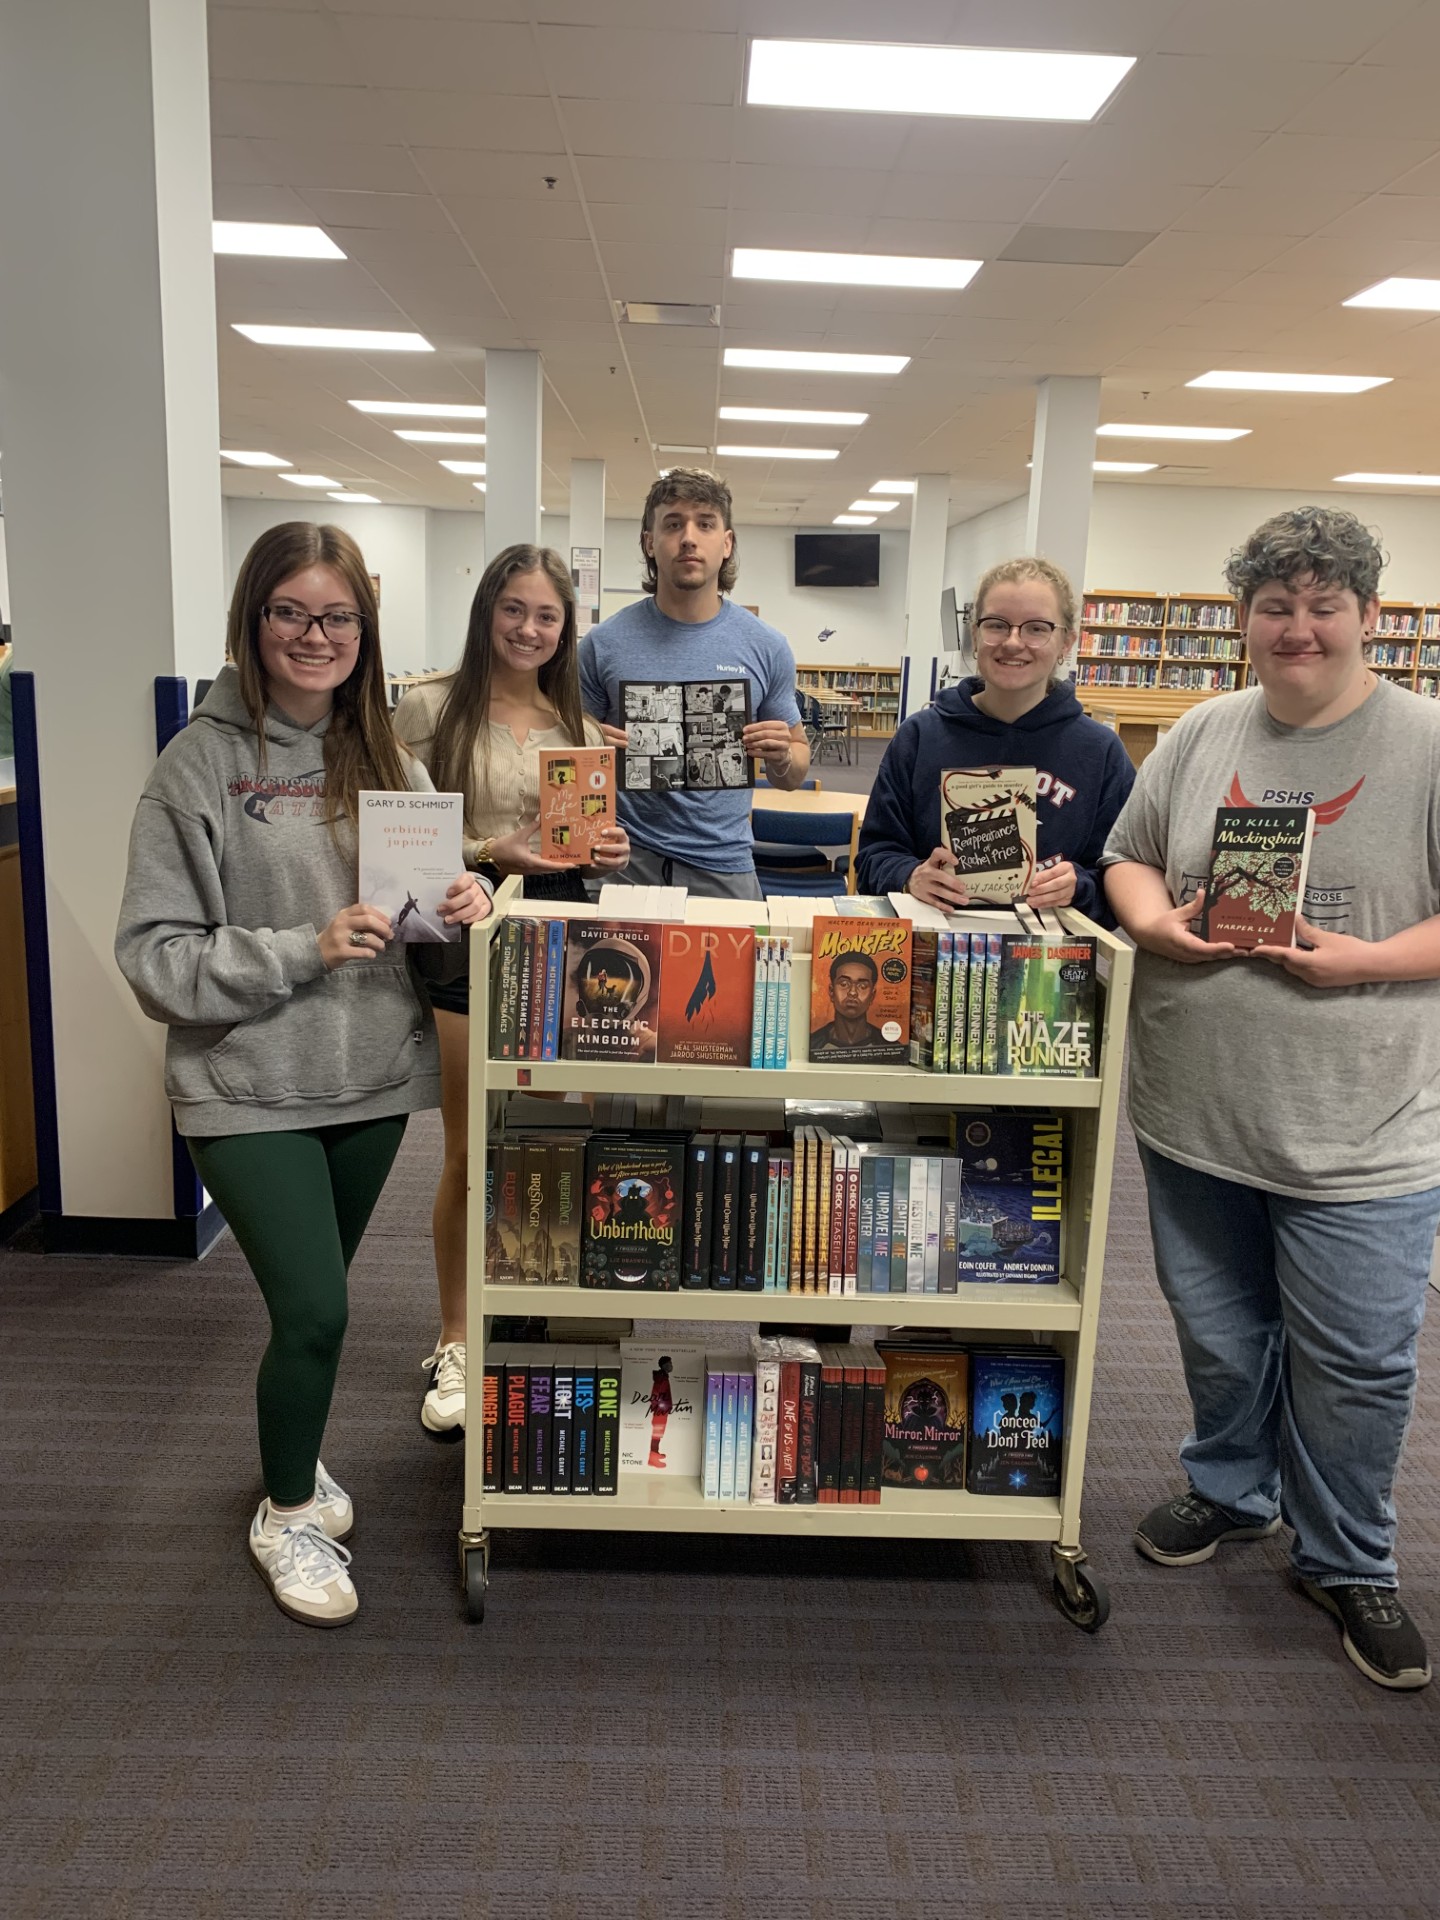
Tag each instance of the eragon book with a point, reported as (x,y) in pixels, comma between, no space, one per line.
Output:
(1256,882)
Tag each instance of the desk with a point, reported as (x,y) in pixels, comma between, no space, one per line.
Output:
(850,710)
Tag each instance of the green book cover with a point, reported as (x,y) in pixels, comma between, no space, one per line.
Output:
(975,1013)
(1046,1014)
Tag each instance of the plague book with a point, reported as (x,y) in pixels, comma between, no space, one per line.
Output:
(577,801)
(1257,875)
(409,854)
(860,991)
(988,817)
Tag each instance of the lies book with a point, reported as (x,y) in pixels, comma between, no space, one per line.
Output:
(409,854)
(577,801)
(988,815)
(1257,875)
(683,734)
(860,991)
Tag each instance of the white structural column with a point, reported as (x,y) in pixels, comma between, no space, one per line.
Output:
(587,531)
(1062,475)
(514,385)
(110,425)
(925,576)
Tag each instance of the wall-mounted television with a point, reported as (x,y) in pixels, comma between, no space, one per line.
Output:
(837,559)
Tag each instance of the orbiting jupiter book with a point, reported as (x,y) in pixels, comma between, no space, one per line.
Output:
(409,854)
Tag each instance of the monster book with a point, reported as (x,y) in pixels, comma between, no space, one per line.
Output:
(707,996)
(632,1231)
(1017,1412)
(683,734)
(1257,875)
(988,817)
(860,992)
(577,801)
(612,990)
(926,1397)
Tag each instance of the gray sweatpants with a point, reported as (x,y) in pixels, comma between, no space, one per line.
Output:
(650,869)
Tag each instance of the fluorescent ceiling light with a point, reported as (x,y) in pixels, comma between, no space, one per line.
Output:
(464,466)
(873,506)
(427,436)
(357,499)
(421,409)
(1390,479)
(1419,296)
(361,339)
(783,360)
(253,459)
(479,485)
(1125,466)
(852,269)
(987,83)
(795,416)
(1293,382)
(260,236)
(853,520)
(893,486)
(670,446)
(309,479)
(778,453)
(1118,430)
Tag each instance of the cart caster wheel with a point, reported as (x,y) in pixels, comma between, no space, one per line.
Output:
(475,1585)
(1089,1607)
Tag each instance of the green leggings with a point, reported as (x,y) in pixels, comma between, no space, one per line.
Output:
(298,1204)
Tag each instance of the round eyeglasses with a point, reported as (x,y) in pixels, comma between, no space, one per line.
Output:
(293,623)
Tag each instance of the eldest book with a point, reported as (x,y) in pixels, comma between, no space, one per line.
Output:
(612,990)
(988,816)
(1256,880)
(577,801)
(707,996)
(1017,1411)
(409,854)
(632,1212)
(860,991)
(926,1401)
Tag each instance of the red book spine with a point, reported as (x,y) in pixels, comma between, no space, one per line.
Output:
(872,1458)
(838,1188)
(852,1221)
(827,1450)
(787,1451)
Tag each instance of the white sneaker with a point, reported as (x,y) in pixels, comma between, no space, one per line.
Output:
(305,1570)
(442,1411)
(337,1511)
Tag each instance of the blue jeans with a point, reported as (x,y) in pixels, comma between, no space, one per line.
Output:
(1298,1323)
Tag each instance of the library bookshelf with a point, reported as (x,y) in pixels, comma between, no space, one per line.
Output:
(1065,1316)
(876,688)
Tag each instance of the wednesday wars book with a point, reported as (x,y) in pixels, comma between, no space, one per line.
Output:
(860,991)
(1257,875)
(410,851)
(988,815)
(707,996)
(681,734)
(577,801)
(612,990)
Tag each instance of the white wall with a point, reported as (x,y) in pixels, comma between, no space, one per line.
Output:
(974,545)
(4,575)
(455,560)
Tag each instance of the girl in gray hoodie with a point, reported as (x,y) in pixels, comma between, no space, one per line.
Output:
(297,1045)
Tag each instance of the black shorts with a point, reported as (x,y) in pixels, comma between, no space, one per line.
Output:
(453,996)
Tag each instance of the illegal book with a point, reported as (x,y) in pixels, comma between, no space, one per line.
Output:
(926,1400)
(860,991)
(662,1395)
(707,996)
(684,734)
(1256,881)
(577,801)
(612,990)
(1009,1209)
(409,853)
(1017,1413)
(1046,1006)
(988,816)
(633,1188)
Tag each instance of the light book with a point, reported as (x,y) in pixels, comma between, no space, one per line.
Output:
(410,852)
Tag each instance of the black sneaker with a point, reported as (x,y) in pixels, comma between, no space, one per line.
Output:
(1380,1637)
(1183,1532)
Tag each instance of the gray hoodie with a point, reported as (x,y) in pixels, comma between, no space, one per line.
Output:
(233,874)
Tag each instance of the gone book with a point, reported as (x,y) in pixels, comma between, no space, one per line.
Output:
(577,801)
(988,815)
(409,854)
(682,734)
(612,990)
(707,996)
(860,991)
(1257,875)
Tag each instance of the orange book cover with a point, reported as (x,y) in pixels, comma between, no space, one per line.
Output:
(860,991)
(577,800)
(707,996)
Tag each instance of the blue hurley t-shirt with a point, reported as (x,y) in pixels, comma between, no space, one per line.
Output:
(709,828)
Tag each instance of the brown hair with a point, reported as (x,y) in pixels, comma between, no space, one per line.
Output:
(698,486)
(360,747)
(464,718)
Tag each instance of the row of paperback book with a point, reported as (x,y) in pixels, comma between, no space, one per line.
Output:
(783,1421)
(813,1211)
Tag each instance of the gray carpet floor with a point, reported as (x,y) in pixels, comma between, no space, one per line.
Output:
(644,1728)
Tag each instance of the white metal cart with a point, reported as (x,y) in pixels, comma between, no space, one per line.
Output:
(1066,1315)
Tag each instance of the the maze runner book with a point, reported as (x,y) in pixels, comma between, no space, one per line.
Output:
(1046,1018)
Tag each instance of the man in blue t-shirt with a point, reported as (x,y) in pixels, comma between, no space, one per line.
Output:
(695,837)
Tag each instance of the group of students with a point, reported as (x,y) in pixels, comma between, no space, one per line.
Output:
(1287,1104)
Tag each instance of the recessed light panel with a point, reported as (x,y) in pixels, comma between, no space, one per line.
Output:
(1125,466)
(281,242)
(1419,296)
(479,485)
(795,416)
(873,506)
(893,486)
(310,480)
(253,459)
(785,360)
(778,453)
(464,466)
(420,409)
(1388,479)
(357,499)
(1293,382)
(852,269)
(430,437)
(356,339)
(1117,430)
(987,83)
(853,520)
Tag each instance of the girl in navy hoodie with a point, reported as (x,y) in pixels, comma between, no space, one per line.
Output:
(1014,712)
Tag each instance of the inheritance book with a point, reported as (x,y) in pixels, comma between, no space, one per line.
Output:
(577,801)
(409,854)
(682,734)
(988,815)
(611,991)
(860,991)
(1257,875)
(707,996)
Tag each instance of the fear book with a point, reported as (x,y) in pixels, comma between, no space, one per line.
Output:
(685,734)
(632,1229)
(612,990)
(409,853)
(577,801)
(860,991)
(1017,1413)
(988,815)
(707,996)
(926,1402)
(1257,871)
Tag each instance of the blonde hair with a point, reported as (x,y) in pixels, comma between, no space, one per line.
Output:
(1029,567)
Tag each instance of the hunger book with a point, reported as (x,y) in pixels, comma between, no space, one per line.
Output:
(683,734)
(988,815)
(1256,881)
(577,801)
(409,854)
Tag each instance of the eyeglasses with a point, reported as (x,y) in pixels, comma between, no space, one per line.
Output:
(293,623)
(996,630)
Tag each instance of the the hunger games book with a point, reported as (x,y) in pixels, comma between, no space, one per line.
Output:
(577,801)
(707,996)
(988,816)
(612,990)
(1257,875)
(860,991)
(632,1230)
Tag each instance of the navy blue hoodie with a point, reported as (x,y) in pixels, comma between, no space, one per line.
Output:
(1085,775)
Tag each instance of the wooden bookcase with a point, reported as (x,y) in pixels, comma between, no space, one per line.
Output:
(876,688)
(1066,1315)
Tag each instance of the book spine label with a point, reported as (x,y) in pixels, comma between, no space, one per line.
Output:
(699,1210)
(900,1224)
(554,981)
(541,933)
(787,1450)
(915,1240)
(975,1020)
(537,1474)
(923,956)
(725,1245)
(782,1008)
(767,1430)
(806,1485)
(782,1230)
(517,1408)
(729,1433)
(772,1220)
(865,1231)
(562,1428)
(714,1421)
(607,1423)
(959,1003)
(827,1451)
(990,1043)
(944,975)
(492,1431)
(503,1022)
(948,1277)
(852,1220)
(884,1221)
(774,974)
(933,1179)
(582,1479)
(757,1022)
(852,1429)
(823,1207)
(839,1193)
(872,1457)
(525,972)
(754,1189)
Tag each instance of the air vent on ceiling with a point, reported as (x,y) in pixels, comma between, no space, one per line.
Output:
(1074,246)
(666,313)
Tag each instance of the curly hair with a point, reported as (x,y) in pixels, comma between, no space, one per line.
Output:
(1320,546)
(699,487)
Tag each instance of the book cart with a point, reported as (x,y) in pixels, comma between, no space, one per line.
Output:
(1066,1316)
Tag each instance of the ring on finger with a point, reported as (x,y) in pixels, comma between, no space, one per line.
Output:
(357,939)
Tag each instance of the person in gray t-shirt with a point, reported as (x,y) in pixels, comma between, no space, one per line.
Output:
(1287,1102)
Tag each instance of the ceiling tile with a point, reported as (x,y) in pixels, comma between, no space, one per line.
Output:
(1315,162)
(799,189)
(488,222)
(1324,29)
(1296,211)
(1140,204)
(500,123)
(445,55)
(256,44)
(585,63)
(274,110)
(448,170)
(397,212)
(1123,154)
(652,131)
(1172,95)
(674,188)
(309,162)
